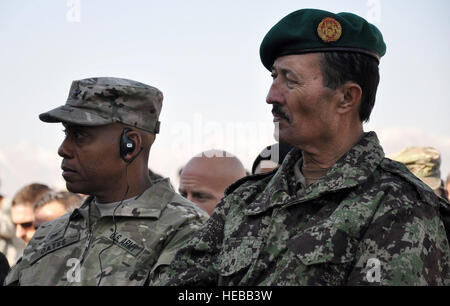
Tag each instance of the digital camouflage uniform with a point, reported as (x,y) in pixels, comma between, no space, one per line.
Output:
(149,231)
(367,208)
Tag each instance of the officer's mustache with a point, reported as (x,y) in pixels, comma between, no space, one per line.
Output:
(276,111)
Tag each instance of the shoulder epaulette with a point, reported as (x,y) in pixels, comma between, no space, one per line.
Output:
(399,169)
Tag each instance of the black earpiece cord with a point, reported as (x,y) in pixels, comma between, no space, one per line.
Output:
(115,228)
(113,217)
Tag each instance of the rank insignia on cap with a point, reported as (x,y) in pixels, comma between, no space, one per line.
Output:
(329,30)
(75,93)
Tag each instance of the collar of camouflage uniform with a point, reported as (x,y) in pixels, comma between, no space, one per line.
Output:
(150,204)
(346,173)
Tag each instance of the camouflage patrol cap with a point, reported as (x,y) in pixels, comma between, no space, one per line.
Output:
(105,100)
(423,162)
(312,30)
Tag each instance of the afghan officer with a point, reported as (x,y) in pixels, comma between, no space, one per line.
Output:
(129,229)
(336,212)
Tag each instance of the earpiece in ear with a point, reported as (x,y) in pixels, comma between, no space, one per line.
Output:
(127,145)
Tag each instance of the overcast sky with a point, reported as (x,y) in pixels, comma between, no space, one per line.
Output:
(204,56)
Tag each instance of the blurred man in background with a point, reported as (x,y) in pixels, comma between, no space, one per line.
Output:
(22,210)
(11,246)
(204,178)
(53,205)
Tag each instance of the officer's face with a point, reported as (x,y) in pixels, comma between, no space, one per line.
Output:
(302,106)
(91,159)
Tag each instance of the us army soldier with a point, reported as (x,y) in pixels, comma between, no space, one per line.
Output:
(336,212)
(129,228)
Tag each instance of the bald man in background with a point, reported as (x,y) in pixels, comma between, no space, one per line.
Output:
(206,176)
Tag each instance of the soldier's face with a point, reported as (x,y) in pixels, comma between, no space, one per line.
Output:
(91,159)
(302,106)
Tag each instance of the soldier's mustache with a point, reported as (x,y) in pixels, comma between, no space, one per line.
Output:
(276,111)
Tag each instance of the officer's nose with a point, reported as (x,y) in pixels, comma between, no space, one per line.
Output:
(274,94)
(64,149)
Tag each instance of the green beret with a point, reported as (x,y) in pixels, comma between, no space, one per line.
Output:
(311,30)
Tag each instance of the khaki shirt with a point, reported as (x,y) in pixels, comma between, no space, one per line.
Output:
(149,231)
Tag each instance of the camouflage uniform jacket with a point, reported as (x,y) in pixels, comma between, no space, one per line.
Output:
(149,231)
(368,221)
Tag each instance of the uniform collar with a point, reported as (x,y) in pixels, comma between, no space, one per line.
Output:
(149,204)
(352,169)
